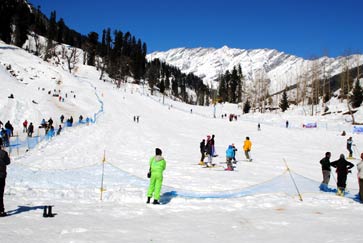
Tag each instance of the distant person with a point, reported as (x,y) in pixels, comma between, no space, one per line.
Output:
(61,118)
(247,145)
(349,147)
(59,130)
(325,166)
(287,124)
(30,130)
(343,133)
(202,152)
(25,126)
(360,177)
(9,129)
(157,167)
(80,119)
(343,168)
(258,127)
(4,162)
(137,119)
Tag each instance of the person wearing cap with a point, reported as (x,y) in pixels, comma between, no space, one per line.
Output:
(4,161)
(325,167)
(343,168)
(157,167)
(247,145)
(360,177)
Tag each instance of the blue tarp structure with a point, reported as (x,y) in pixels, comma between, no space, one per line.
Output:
(358,129)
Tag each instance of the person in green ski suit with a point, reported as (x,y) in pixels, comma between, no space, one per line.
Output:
(157,166)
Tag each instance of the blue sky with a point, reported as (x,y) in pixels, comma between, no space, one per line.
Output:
(306,28)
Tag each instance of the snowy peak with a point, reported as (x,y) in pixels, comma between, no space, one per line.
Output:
(279,68)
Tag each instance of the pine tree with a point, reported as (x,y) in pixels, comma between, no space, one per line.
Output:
(357,97)
(246,107)
(284,103)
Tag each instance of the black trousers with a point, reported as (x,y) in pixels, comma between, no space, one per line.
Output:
(2,188)
(342,179)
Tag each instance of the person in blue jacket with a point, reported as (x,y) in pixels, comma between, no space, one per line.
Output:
(230,153)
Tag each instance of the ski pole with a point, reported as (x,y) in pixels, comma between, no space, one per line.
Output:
(292,178)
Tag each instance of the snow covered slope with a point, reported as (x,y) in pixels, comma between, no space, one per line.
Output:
(281,68)
(255,203)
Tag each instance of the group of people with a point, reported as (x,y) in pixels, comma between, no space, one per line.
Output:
(343,168)
(207,149)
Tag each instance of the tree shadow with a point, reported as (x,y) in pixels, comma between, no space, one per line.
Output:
(23,209)
(167,197)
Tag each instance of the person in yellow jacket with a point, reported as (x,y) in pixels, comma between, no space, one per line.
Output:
(247,145)
(157,166)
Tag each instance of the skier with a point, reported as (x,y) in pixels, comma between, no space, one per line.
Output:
(4,161)
(287,124)
(360,177)
(343,168)
(247,145)
(349,147)
(229,156)
(325,166)
(213,146)
(61,118)
(202,151)
(157,166)
(30,130)
(258,127)
(25,125)
(209,152)
(80,119)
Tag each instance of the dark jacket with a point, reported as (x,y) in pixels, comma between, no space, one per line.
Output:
(208,148)
(325,163)
(4,161)
(202,147)
(342,166)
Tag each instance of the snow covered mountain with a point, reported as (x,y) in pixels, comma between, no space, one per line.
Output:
(279,68)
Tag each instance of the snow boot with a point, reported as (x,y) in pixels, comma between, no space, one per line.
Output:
(45,214)
(148,200)
(156,202)
(50,214)
(201,163)
(3,214)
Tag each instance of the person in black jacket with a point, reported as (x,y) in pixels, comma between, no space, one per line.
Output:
(4,161)
(202,151)
(30,130)
(349,146)
(325,166)
(343,168)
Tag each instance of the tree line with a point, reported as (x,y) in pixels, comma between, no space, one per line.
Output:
(119,54)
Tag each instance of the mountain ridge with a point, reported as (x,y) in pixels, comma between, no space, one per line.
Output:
(280,68)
